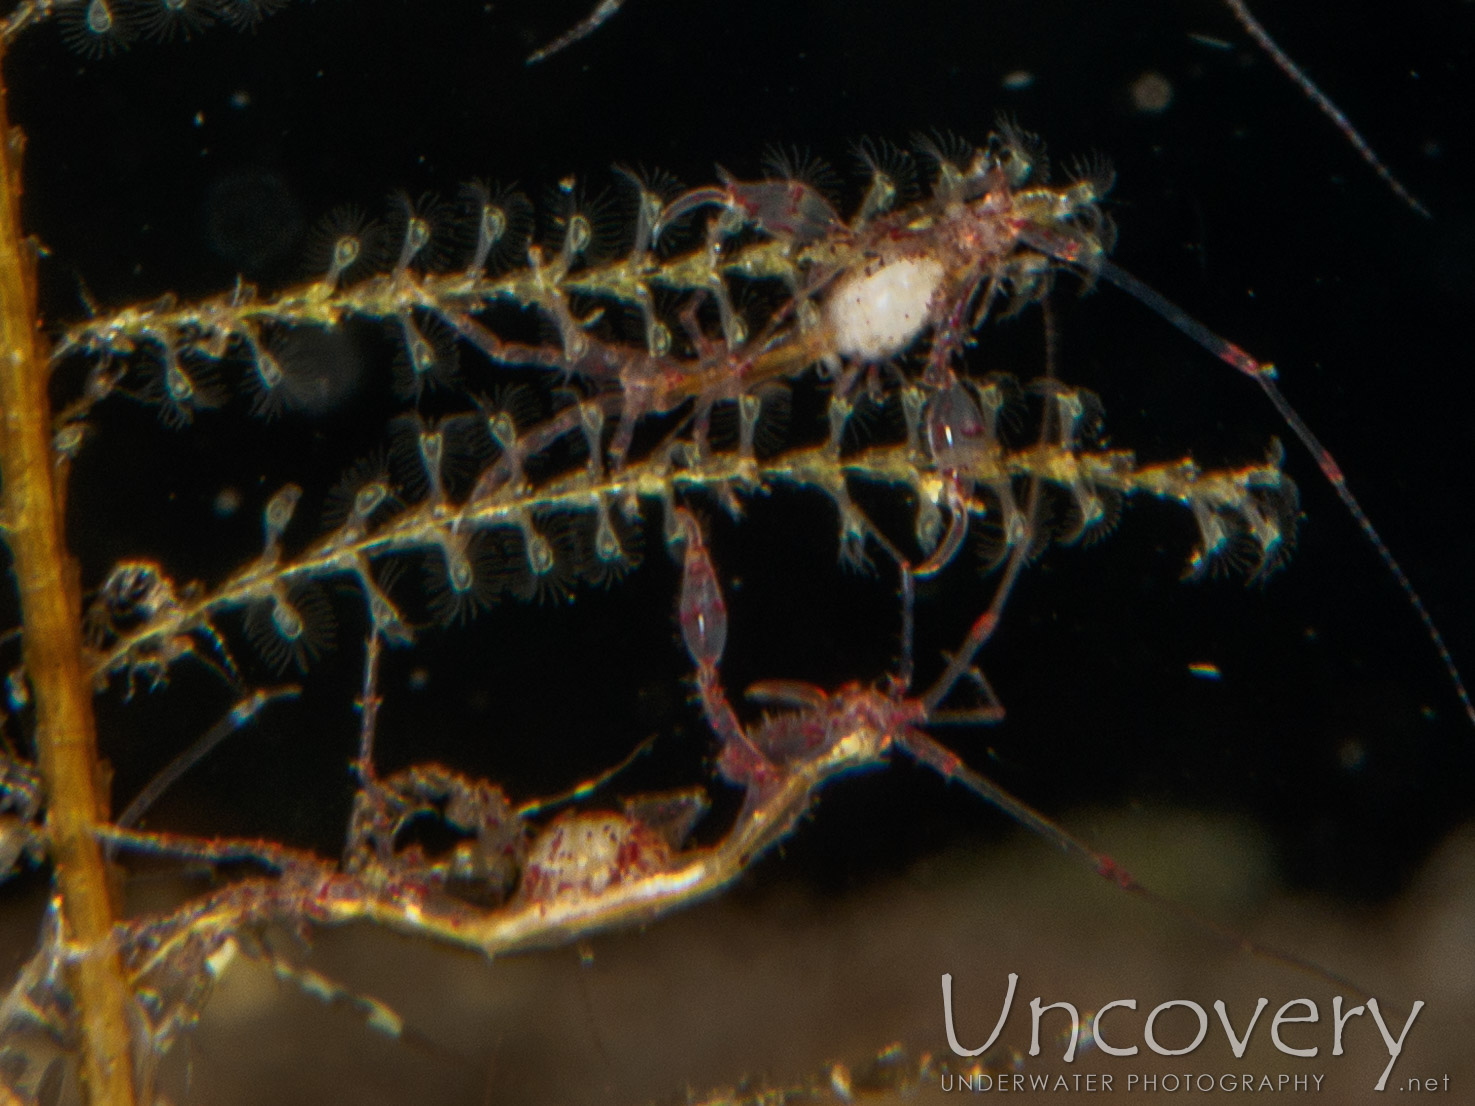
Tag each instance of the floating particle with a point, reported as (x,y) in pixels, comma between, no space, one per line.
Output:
(1210,41)
(1017,80)
(227,502)
(1352,755)
(1152,93)
(1205,671)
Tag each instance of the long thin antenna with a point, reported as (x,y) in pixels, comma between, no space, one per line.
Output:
(1264,374)
(239,716)
(580,30)
(1323,103)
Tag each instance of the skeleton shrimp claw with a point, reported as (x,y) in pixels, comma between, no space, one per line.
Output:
(788,756)
(826,734)
(820,734)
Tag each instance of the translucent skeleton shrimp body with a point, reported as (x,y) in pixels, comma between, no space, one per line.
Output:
(883,304)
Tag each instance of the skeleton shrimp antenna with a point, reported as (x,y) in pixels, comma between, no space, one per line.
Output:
(1323,103)
(960,665)
(1264,374)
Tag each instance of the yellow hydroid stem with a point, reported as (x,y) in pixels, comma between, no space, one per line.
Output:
(50,610)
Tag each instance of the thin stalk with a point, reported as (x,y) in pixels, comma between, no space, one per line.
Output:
(51,615)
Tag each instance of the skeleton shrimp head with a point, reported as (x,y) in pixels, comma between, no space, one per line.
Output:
(854,727)
(827,734)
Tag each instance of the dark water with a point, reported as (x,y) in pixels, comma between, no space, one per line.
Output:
(173,166)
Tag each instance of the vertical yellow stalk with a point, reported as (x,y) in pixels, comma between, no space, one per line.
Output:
(50,612)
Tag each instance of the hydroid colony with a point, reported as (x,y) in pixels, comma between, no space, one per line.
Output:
(566,381)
